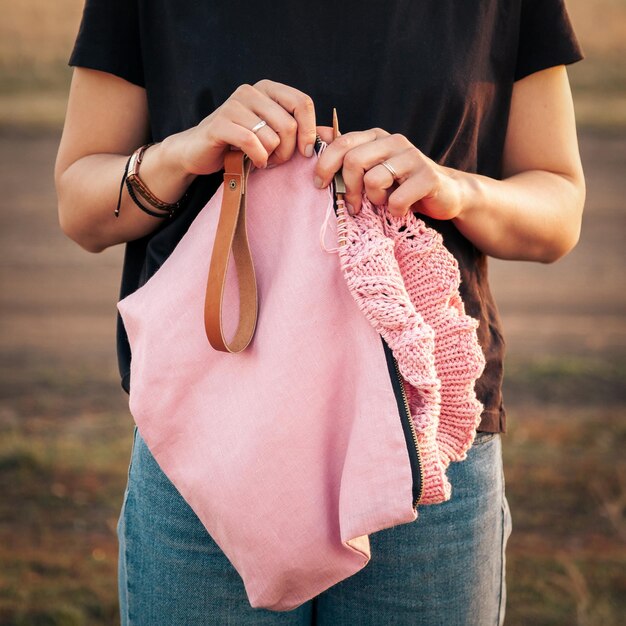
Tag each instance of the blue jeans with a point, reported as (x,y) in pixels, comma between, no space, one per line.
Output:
(446,568)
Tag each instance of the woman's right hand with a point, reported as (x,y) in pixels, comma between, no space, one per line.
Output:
(290,118)
(108,118)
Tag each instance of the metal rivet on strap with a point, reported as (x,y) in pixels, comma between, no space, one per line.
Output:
(232,183)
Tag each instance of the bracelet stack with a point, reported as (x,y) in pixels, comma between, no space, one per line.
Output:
(139,192)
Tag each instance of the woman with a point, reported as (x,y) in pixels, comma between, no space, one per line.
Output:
(469,107)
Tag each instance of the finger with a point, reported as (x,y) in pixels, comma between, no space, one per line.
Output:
(378,186)
(332,158)
(300,106)
(278,119)
(239,113)
(380,181)
(421,184)
(236,135)
(360,161)
(282,124)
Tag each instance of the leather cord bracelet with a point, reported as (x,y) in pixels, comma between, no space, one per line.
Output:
(145,209)
(136,187)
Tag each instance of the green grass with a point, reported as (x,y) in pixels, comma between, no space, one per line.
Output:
(61,486)
(65,437)
(566,485)
(571,381)
(561,590)
(64,447)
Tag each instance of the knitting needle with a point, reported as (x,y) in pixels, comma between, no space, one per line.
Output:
(340,185)
(340,190)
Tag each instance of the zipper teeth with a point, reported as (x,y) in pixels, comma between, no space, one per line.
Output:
(413,434)
(342,241)
(342,229)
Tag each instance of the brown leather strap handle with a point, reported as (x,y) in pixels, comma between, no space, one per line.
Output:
(231,234)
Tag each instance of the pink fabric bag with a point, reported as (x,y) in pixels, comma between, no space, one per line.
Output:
(294,450)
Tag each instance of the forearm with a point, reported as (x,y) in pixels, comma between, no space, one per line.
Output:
(107,118)
(534,213)
(532,216)
(88,192)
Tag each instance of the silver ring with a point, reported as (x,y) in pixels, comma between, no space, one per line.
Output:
(259,126)
(390,170)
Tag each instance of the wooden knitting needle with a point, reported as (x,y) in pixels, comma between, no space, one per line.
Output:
(340,190)
(340,185)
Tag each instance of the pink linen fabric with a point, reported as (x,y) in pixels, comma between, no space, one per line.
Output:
(291,452)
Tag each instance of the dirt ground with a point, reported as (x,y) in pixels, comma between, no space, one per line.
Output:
(65,425)
(577,305)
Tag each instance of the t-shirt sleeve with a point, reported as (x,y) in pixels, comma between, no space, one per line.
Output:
(109,39)
(546,37)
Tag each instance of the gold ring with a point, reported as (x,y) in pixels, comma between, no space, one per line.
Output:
(390,169)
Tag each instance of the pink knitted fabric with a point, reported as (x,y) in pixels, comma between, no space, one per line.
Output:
(406,283)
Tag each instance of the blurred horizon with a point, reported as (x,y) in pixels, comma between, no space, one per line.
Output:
(36,38)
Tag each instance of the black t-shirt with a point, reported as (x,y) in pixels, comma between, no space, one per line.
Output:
(440,72)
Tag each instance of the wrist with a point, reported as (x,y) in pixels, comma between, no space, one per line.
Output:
(167,154)
(155,185)
(467,192)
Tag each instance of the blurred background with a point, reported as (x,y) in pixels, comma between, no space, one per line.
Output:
(65,429)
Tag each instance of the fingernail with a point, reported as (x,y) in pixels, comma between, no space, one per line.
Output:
(350,208)
(308,151)
(318,182)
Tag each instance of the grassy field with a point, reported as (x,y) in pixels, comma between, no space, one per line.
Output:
(63,455)
(65,429)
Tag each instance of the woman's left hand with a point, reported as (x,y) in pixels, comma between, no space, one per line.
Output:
(421,185)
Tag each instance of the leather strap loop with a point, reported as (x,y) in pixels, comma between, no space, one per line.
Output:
(231,234)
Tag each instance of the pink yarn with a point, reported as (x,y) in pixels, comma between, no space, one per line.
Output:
(406,283)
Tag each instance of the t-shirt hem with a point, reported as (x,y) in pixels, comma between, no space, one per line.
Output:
(104,66)
(544,64)
(493,421)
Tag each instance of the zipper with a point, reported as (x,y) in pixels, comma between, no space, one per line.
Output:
(408,427)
